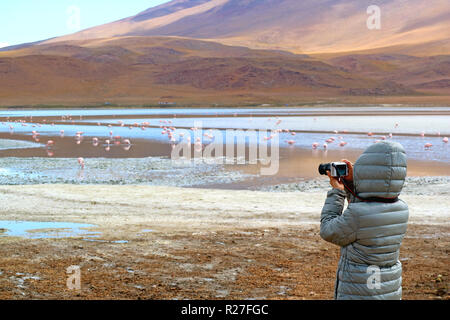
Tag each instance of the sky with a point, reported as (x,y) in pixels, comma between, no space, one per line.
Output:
(24,21)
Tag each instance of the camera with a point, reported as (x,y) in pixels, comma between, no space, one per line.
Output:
(337,169)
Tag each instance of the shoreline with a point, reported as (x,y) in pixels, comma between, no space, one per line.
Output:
(284,205)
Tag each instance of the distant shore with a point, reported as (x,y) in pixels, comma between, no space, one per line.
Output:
(212,102)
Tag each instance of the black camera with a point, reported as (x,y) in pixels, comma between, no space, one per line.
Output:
(337,169)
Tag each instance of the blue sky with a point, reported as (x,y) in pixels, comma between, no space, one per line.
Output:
(32,20)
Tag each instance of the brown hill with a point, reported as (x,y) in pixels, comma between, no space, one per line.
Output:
(151,69)
(239,50)
(310,26)
(416,72)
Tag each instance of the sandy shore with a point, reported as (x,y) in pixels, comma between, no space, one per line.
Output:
(203,243)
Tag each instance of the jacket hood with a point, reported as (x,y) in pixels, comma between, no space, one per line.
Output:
(380,171)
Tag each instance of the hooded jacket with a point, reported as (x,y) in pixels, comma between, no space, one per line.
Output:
(369,233)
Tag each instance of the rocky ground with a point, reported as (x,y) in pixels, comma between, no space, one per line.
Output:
(177,243)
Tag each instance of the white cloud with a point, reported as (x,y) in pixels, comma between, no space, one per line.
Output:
(4,44)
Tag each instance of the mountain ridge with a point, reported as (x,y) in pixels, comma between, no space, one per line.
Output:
(309,26)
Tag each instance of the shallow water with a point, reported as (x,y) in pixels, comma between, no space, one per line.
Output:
(147,159)
(45,230)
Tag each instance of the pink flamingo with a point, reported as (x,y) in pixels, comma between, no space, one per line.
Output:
(428,145)
(290,142)
(107,145)
(50,143)
(445,140)
(325,146)
(198,145)
(370,134)
(315,145)
(343,144)
(81,162)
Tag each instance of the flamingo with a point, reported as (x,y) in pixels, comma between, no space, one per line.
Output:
(95,142)
(290,142)
(428,145)
(445,140)
(198,145)
(78,138)
(342,144)
(370,134)
(50,143)
(117,140)
(81,162)
(315,145)
(107,148)
(293,133)
(325,146)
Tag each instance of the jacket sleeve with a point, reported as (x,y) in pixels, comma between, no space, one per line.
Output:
(337,227)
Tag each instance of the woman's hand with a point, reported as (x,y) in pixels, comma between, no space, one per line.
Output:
(348,178)
(335,183)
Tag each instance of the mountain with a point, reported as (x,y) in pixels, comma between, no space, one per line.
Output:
(152,69)
(306,26)
(235,51)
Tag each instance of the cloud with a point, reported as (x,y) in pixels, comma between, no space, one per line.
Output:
(4,44)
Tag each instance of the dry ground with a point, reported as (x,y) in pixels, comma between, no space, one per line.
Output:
(212,244)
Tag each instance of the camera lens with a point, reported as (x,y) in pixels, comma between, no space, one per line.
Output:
(324,167)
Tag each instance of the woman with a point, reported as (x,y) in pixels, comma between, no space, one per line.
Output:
(371,229)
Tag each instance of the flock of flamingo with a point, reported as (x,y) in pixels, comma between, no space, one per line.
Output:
(168,129)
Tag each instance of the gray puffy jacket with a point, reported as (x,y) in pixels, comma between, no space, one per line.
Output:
(369,233)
